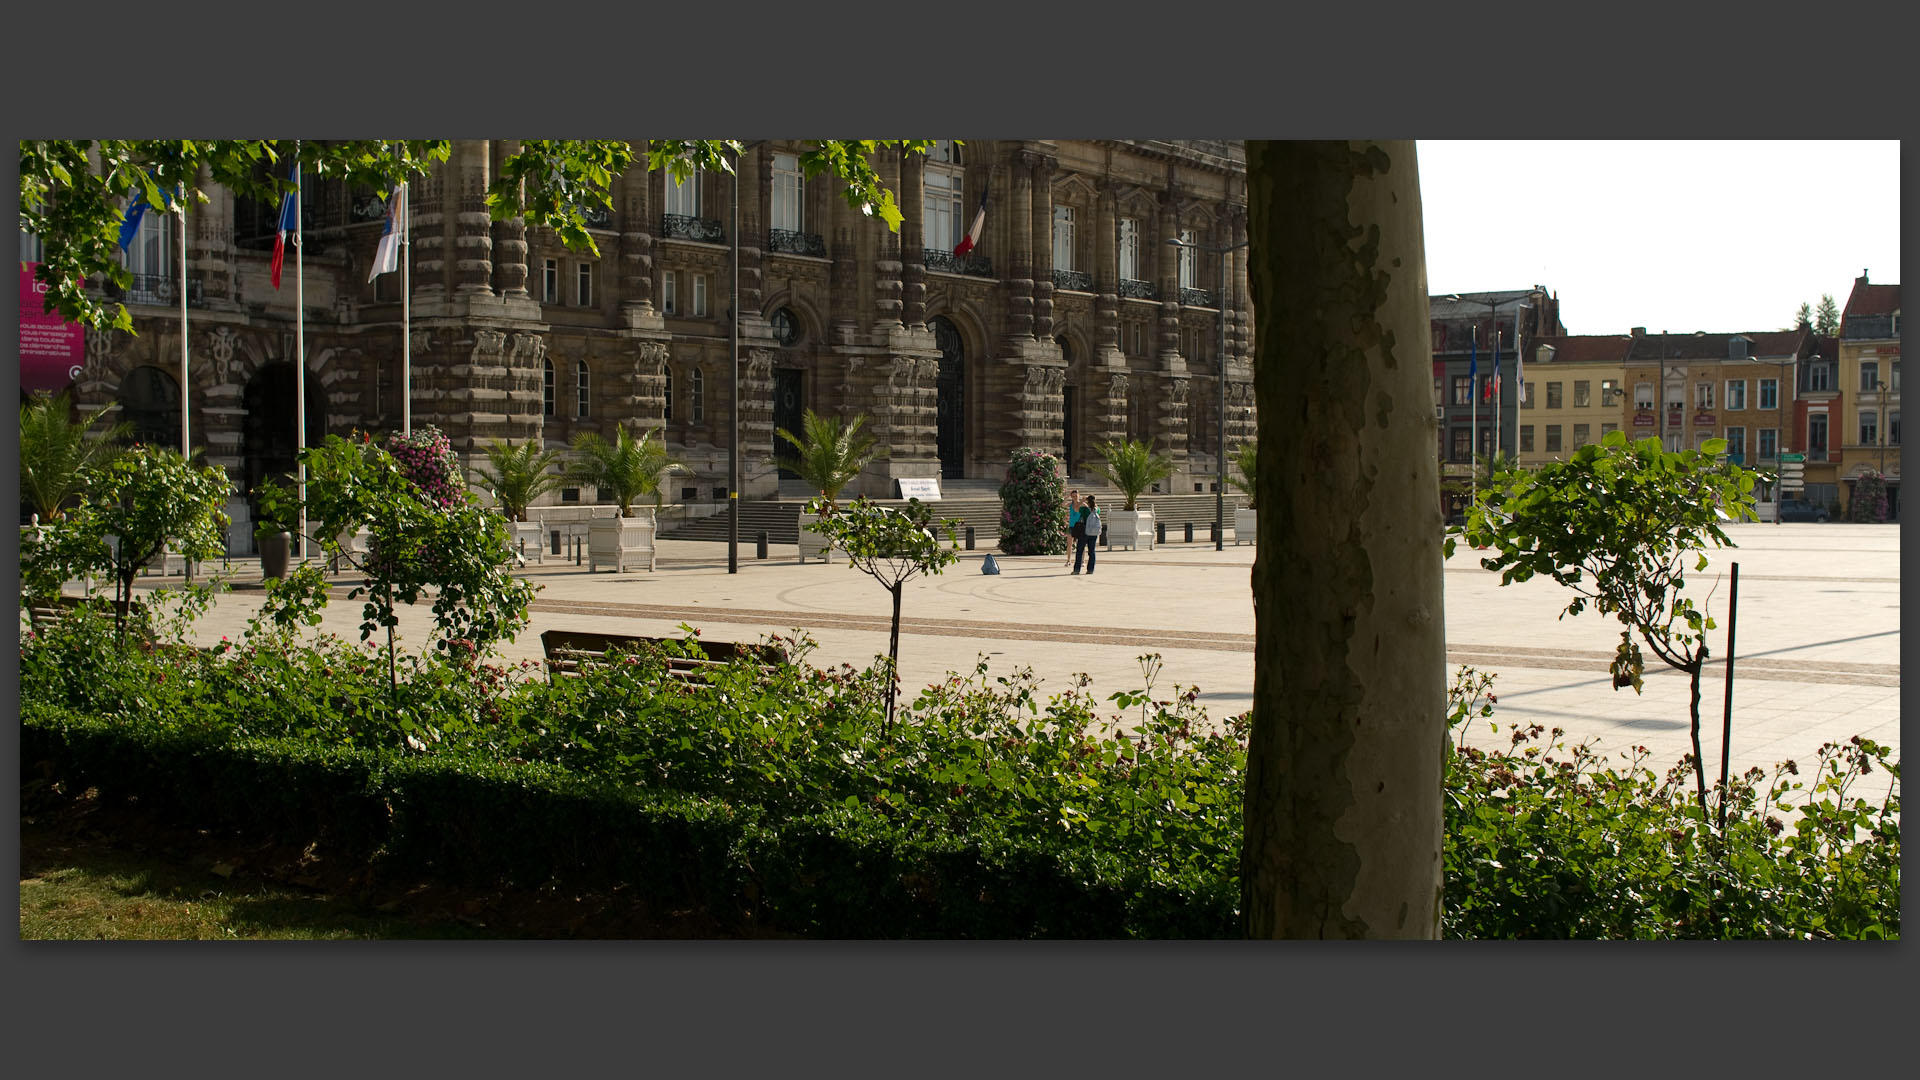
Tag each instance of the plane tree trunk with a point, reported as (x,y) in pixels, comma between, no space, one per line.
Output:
(1343,811)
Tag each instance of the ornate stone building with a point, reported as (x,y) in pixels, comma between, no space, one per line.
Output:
(1074,319)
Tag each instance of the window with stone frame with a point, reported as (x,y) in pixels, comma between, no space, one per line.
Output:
(699,296)
(1582,393)
(583,292)
(582,392)
(1462,444)
(1869,376)
(1893,427)
(683,198)
(1819,377)
(1643,396)
(1703,395)
(1553,438)
(1189,260)
(789,193)
(550,281)
(151,255)
(1463,389)
(1554,397)
(1893,376)
(1769,394)
(697,394)
(1063,255)
(1128,249)
(1582,435)
(1526,438)
(1869,427)
(670,292)
(943,197)
(1769,443)
(1736,395)
(1736,442)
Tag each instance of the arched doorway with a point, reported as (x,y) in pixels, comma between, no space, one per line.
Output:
(269,442)
(150,401)
(951,412)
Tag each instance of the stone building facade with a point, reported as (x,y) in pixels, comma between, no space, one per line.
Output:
(1074,320)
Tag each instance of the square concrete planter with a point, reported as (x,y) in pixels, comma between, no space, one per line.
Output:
(812,544)
(621,541)
(1246,528)
(1130,529)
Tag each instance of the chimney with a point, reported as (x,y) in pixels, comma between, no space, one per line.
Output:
(1639,331)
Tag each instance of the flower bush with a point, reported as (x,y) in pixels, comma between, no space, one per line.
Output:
(426,458)
(1033,505)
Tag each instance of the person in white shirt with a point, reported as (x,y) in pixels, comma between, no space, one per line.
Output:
(1089,535)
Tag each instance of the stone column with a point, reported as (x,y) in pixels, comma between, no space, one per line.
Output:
(472,229)
(1167,258)
(636,240)
(1106,284)
(429,240)
(1239,321)
(886,264)
(755,173)
(1107,418)
(1043,247)
(509,238)
(913,239)
(756,422)
(1019,272)
(843,276)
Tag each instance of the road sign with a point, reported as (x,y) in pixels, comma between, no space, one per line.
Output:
(1792,458)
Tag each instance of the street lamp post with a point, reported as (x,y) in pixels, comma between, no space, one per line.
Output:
(1473,392)
(1220,488)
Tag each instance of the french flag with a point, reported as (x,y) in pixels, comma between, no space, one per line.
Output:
(386,254)
(289,223)
(973,235)
(1493,388)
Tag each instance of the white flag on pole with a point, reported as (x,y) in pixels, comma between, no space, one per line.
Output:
(386,256)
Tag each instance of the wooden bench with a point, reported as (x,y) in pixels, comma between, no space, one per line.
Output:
(566,650)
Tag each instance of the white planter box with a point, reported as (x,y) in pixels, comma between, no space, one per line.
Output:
(1130,529)
(1245,527)
(530,540)
(812,544)
(618,541)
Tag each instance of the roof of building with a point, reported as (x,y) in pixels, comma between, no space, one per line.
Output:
(1870,299)
(1701,346)
(1581,349)
(1475,304)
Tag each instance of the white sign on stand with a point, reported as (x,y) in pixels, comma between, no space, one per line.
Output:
(924,488)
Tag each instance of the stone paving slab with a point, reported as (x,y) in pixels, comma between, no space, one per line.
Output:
(1818,631)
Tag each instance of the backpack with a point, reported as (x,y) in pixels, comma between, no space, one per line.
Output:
(991,566)
(1090,525)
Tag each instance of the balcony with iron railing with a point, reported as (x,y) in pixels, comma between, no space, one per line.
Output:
(1135,289)
(1077,280)
(793,242)
(946,262)
(1198,298)
(682,227)
(160,290)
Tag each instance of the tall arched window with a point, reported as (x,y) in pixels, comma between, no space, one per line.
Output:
(546,390)
(697,384)
(581,392)
(668,393)
(944,193)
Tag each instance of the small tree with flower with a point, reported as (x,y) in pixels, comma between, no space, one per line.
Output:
(425,532)
(1033,505)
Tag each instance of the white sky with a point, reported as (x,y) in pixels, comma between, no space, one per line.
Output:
(1678,236)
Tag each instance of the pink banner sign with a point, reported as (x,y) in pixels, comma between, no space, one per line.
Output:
(51,351)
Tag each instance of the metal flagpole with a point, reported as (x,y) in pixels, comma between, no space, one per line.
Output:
(299,351)
(733,372)
(406,312)
(1473,414)
(180,207)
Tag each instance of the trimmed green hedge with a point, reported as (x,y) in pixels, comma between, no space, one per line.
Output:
(844,872)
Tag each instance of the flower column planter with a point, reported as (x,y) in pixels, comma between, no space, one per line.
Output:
(812,544)
(1245,526)
(619,541)
(276,550)
(1129,529)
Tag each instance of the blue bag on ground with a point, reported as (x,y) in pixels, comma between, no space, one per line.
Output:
(991,566)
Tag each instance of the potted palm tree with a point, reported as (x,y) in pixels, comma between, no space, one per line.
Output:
(1246,526)
(829,456)
(622,471)
(516,476)
(1132,467)
(56,453)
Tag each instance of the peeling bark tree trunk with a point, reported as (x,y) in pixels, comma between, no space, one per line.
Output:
(1343,813)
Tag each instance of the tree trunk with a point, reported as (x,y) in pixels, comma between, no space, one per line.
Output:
(1343,811)
(893,657)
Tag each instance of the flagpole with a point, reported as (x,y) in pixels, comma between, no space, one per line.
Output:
(300,351)
(1473,403)
(406,312)
(185,439)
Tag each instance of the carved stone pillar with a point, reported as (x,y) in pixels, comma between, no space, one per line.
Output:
(1171,420)
(1042,406)
(913,240)
(1168,259)
(647,384)
(756,422)
(887,267)
(754,174)
(1241,419)
(429,241)
(1019,284)
(1106,282)
(1239,321)
(1043,247)
(526,357)
(472,231)
(1108,421)
(509,238)
(636,240)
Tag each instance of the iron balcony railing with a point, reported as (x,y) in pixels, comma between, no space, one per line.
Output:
(1197,298)
(1136,289)
(793,242)
(682,227)
(599,217)
(156,289)
(1078,280)
(946,262)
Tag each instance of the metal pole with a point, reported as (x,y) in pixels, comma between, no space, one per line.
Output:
(1220,493)
(733,376)
(406,311)
(300,357)
(1473,421)
(1726,724)
(180,207)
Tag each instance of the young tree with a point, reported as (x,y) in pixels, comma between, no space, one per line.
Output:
(143,499)
(892,546)
(1617,523)
(830,455)
(624,469)
(1803,319)
(56,453)
(1349,698)
(1826,321)
(517,475)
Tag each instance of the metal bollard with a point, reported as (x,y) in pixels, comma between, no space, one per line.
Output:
(1213,531)
(1189,532)
(1159,532)
(760,545)
(578,551)
(969,538)
(556,544)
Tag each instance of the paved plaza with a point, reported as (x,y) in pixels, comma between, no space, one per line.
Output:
(1818,632)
